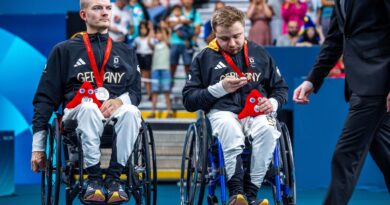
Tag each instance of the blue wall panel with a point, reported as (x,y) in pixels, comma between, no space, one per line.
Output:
(40,31)
(317,127)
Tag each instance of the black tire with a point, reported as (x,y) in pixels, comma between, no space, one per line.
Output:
(140,170)
(51,176)
(291,199)
(153,162)
(193,165)
(276,173)
(286,161)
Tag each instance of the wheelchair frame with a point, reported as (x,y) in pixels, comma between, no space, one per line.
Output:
(203,164)
(141,167)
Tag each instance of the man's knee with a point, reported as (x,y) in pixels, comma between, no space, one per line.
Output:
(267,132)
(89,108)
(130,111)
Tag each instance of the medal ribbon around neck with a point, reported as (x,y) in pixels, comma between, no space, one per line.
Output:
(98,76)
(229,60)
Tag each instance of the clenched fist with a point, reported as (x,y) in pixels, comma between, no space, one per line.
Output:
(38,161)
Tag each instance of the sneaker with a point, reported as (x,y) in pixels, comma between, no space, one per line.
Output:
(260,202)
(115,192)
(238,199)
(94,192)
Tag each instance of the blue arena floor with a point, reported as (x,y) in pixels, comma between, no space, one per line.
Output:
(169,194)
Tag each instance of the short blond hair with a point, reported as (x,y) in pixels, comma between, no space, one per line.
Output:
(84,4)
(226,17)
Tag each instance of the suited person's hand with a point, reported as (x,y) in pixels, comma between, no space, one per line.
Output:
(302,92)
(388,102)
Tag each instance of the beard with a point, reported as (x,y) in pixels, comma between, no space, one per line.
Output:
(293,33)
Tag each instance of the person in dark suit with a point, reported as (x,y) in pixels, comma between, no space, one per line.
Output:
(361,31)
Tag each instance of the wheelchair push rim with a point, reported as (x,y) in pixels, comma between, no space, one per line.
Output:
(142,167)
(194,165)
(51,176)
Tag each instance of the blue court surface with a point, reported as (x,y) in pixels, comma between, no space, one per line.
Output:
(169,194)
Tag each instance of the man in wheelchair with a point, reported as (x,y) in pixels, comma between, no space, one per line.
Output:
(95,80)
(228,80)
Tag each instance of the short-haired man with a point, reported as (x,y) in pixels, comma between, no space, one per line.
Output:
(213,86)
(112,69)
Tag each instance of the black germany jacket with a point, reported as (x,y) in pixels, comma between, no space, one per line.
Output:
(68,67)
(209,67)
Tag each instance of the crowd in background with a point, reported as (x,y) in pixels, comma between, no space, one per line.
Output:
(164,31)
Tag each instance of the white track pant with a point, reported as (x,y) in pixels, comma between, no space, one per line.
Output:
(231,133)
(90,128)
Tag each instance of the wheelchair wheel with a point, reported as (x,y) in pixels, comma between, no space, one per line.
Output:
(152,153)
(51,176)
(290,172)
(144,188)
(194,164)
(286,170)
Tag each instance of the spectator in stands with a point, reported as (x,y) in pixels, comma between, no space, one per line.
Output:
(144,53)
(291,37)
(310,36)
(156,10)
(260,15)
(140,14)
(326,13)
(178,47)
(161,78)
(182,27)
(276,21)
(121,21)
(207,30)
(314,10)
(293,10)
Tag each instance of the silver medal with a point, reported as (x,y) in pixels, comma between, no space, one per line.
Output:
(102,94)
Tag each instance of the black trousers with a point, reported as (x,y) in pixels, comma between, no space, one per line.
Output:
(367,129)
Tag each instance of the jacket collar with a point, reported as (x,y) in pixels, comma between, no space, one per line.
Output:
(92,37)
(214,46)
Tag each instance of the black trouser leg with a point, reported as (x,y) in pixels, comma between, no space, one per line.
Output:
(235,184)
(380,149)
(364,118)
(115,169)
(94,172)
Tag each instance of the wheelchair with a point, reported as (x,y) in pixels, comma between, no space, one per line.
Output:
(139,176)
(203,164)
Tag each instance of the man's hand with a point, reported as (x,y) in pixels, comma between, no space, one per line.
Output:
(388,102)
(302,92)
(38,161)
(110,106)
(265,106)
(231,84)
